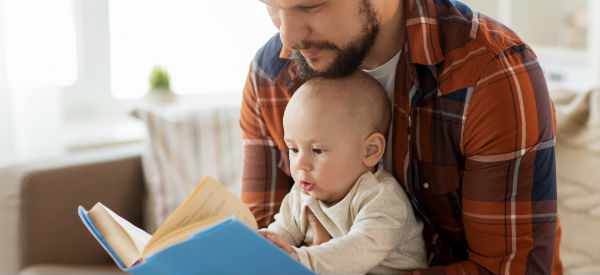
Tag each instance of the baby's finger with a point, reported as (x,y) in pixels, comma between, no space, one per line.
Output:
(264,233)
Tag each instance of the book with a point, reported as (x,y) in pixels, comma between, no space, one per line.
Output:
(211,232)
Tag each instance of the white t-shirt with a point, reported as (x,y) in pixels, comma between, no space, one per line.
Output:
(386,76)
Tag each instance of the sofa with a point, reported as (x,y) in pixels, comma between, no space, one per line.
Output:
(42,234)
(143,182)
(41,231)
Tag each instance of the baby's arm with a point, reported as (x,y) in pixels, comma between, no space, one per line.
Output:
(378,228)
(286,223)
(355,253)
(320,235)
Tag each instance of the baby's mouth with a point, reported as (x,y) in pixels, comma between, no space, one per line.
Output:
(307,186)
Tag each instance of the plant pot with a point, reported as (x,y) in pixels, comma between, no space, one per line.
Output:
(160,96)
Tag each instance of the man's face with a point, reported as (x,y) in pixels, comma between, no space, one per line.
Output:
(328,38)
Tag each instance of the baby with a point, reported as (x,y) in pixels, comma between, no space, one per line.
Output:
(335,131)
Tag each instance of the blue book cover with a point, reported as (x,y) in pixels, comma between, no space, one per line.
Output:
(228,247)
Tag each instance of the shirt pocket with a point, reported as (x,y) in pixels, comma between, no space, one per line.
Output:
(435,180)
(439,195)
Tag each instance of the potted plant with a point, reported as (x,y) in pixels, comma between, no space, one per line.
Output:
(160,91)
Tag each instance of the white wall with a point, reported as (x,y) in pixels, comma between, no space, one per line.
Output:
(37,118)
(90,95)
(6,139)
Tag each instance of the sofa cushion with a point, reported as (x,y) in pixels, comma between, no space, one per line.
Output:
(44,269)
(577,163)
(50,229)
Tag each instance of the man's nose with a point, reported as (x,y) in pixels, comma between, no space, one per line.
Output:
(293,28)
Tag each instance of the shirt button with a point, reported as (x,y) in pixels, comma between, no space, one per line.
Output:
(426,185)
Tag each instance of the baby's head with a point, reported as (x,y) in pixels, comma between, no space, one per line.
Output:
(335,131)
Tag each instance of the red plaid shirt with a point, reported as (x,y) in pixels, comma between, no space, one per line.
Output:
(473,141)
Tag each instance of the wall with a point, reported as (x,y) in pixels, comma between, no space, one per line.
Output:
(5,124)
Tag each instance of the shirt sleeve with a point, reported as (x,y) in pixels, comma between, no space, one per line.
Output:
(264,184)
(287,221)
(509,206)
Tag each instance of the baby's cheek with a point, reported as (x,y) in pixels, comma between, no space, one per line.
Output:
(293,171)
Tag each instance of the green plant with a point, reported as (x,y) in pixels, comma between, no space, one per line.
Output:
(159,79)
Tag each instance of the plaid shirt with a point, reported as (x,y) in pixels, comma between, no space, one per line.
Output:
(473,141)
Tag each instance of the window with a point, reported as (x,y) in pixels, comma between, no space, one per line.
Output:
(38,59)
(40,42)
(206,46)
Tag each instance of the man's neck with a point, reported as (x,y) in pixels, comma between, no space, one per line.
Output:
(388,42)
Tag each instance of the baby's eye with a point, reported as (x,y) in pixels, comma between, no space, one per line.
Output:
(293,150)
(317,151)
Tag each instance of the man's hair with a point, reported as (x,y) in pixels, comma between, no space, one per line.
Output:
(362,98)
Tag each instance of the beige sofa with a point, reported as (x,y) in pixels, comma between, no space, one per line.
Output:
(41,231)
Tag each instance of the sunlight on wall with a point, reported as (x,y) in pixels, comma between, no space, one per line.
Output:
(206,46)
(40,42)
(40,58)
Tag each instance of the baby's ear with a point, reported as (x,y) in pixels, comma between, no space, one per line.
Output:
(374,147)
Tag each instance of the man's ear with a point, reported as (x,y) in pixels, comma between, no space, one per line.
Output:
(374,147)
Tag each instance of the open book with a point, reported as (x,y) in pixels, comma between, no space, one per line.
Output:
(211,232)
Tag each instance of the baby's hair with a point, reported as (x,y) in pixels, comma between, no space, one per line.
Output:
(363,98)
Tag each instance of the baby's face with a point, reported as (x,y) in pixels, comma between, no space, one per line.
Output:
(325,151)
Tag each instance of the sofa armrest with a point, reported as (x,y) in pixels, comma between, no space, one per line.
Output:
(48,227)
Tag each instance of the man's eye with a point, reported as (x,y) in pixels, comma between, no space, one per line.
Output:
(311,8)
(317,151)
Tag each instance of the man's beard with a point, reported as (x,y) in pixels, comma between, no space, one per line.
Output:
(348,59)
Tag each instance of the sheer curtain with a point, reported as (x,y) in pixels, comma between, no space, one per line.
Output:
(38,58)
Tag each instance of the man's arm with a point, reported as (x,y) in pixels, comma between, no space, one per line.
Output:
(509,205)
(264,184)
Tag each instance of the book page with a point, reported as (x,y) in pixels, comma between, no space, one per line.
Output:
(181,234)
(208,199)
(124,238)
(138,236)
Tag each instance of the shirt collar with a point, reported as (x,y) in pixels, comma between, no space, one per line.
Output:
(422,32)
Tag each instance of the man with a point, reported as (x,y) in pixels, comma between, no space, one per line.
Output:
(472,133)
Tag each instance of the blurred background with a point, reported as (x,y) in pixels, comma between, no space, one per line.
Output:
(132,102)
(564,34)
(71,70)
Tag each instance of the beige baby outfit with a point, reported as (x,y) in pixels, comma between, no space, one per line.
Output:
(373,227)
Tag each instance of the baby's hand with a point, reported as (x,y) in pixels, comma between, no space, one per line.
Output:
(279,242)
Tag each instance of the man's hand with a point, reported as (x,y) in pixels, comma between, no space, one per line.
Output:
(280,242)
(320,235)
